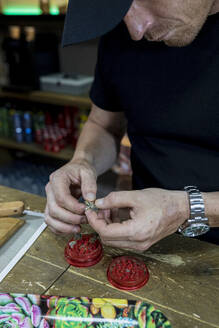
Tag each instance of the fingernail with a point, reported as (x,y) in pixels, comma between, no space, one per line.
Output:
(90,196)
(99,202)
(76,229)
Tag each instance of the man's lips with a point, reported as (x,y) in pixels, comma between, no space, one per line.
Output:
(157,38)
(162,37)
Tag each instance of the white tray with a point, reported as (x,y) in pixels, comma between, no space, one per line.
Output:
(13,250)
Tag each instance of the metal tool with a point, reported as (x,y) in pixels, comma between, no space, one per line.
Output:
(16,208)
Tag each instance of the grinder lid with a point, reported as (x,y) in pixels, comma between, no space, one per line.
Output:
(127,273)
(84,250)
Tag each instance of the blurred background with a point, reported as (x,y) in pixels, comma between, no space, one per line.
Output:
(44,97)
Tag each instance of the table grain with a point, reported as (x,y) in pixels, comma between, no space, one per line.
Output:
(184,273)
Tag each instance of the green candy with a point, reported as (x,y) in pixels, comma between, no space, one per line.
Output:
(69,311)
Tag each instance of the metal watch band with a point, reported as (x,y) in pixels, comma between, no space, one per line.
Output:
(197,224)
(197,207)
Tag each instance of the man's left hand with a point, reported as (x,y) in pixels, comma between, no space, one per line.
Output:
(153,215)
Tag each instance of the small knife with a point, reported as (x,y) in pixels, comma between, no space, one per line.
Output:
(16,208)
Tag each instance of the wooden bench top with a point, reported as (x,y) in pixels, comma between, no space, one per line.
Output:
(184,273)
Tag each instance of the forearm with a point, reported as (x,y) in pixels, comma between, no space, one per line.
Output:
(211,200)
(97,146)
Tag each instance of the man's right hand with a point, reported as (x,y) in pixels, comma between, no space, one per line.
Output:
(64,213)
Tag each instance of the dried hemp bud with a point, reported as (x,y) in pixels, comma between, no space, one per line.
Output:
(90,206)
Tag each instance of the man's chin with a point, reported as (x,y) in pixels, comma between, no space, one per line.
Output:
(177,42)
(180,39)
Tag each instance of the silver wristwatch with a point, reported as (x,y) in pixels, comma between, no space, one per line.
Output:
(197,224)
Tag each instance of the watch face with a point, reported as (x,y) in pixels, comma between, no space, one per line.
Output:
(196,229)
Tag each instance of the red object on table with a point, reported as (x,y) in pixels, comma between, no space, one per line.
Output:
(84,250)
(127,273)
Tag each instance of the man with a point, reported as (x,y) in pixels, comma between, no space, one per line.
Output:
(166,94)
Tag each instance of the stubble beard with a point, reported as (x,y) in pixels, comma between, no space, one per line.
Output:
(186,35)
(180,35)
(181,38)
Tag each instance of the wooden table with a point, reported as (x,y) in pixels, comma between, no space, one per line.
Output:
(183,284)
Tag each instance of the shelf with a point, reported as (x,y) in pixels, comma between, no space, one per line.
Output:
(65,154)
(23,20)
(49,98)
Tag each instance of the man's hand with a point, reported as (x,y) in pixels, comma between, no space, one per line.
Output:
(63,212)
(153,215)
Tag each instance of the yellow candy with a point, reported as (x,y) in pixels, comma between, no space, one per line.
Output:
(98,302)
(108,311)
(117,302)
(94,309)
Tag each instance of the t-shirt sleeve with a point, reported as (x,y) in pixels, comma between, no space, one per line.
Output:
(103,93)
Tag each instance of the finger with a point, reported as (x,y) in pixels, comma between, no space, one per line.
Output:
(56,232)
(113,231)
(62,214)
(67,217)
(60,227)
(53,224)
(60,187)
(127,245)
(116,200)
(88,185)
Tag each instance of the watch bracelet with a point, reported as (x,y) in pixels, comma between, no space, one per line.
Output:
(196,202)
(197,208)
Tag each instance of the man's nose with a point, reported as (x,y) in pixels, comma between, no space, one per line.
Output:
(137,23)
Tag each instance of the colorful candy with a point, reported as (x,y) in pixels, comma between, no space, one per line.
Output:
(33,311)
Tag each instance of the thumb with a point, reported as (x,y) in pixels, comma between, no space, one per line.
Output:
(88,185)
(119,199)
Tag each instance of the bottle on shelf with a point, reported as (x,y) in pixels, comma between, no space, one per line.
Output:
(27,126)
(45,6)
(30,33)
(62,6)
(12,49)
(4,129)
(18,129)
(29,57)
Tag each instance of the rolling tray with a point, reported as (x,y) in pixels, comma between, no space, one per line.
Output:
(15,247)
(8,226)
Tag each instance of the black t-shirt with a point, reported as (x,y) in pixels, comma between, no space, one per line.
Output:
(170,97)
